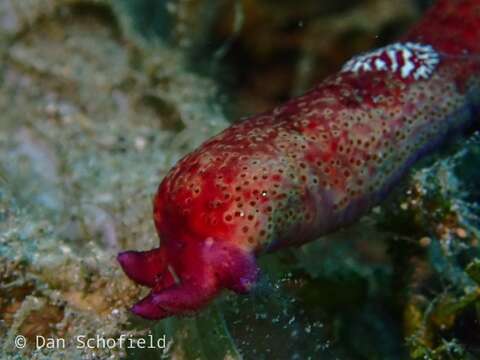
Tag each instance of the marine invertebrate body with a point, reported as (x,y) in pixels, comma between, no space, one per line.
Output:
(310,166)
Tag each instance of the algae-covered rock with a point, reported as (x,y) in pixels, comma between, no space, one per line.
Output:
(91,119)
(437,256)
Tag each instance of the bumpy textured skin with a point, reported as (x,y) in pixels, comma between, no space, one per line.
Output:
(310,166)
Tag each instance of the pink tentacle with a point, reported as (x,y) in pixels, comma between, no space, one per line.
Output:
(177,300)
(143,267)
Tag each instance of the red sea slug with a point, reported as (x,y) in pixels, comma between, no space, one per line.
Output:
(310,166)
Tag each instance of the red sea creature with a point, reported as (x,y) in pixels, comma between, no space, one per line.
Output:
(310,166)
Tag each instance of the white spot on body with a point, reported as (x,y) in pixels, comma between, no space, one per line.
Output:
(408,60)
(380,64)
(407,69)
(421,73)
(392,55)
(367,67)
